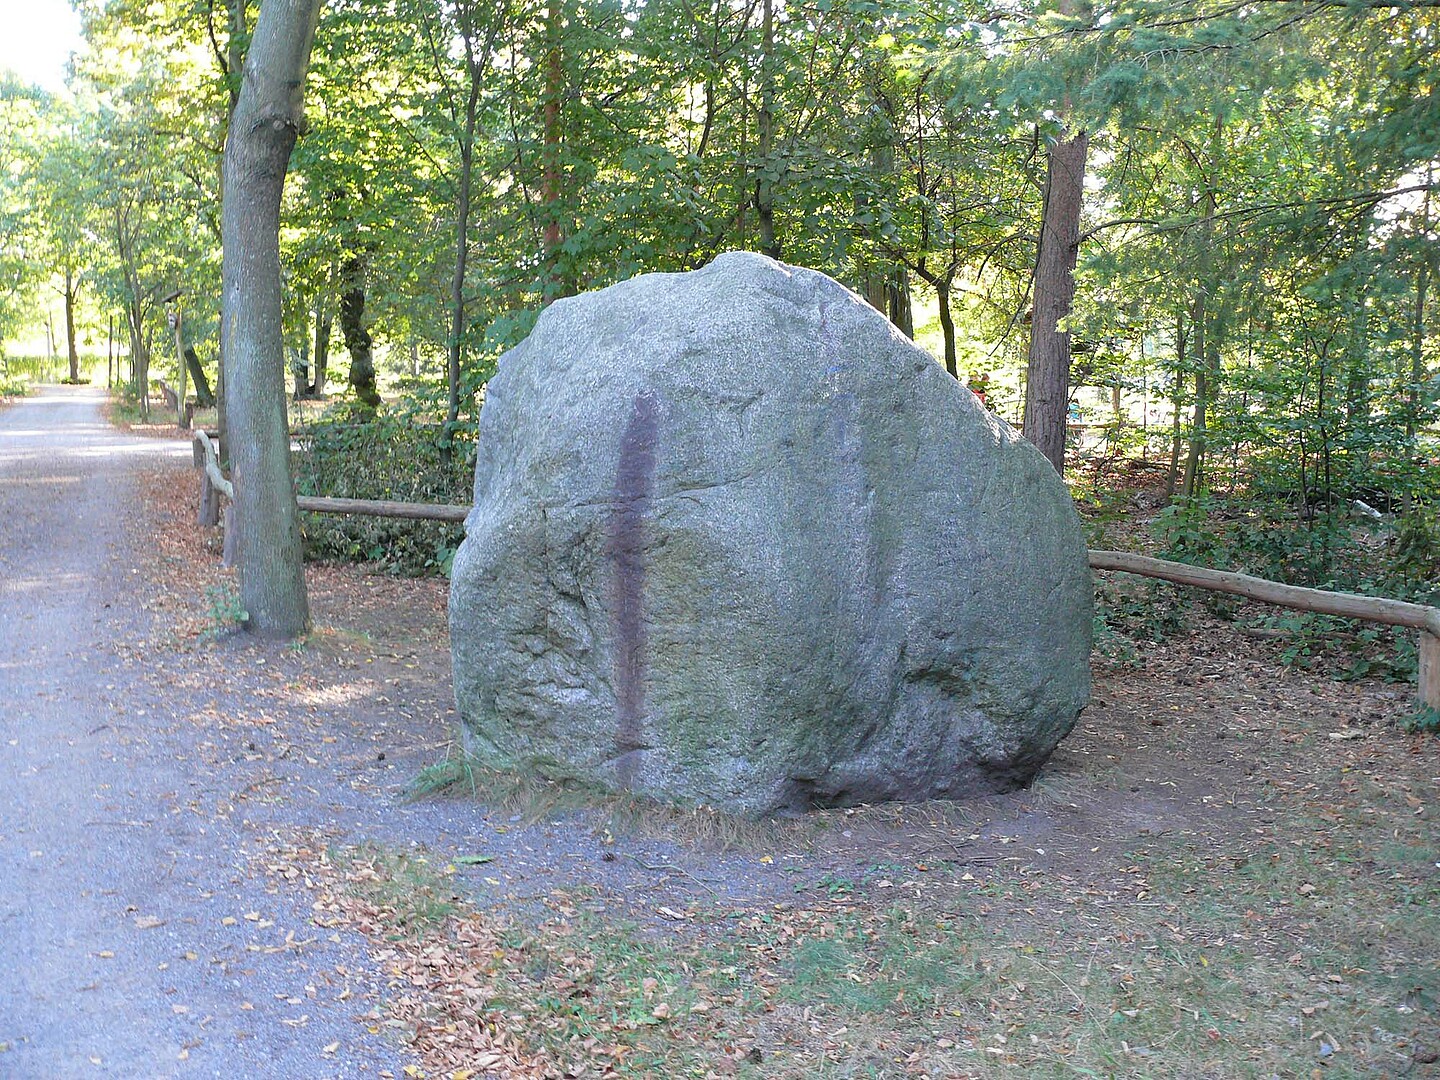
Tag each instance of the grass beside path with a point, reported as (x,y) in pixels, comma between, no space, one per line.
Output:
(1305,949)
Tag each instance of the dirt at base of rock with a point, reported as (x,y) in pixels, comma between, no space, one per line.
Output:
(1210,768)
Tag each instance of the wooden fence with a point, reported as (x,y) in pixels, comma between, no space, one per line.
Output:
(1345,605)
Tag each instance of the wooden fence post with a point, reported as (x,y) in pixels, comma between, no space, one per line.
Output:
(1429,670)
(209,515)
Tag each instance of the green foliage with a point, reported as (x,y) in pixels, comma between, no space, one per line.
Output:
(1184,528)
(1131,613)
(392,454)
(224,609)
(1240,264)
(1345,649)
(1424,719)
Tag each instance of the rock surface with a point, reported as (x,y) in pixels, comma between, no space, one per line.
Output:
(737,541)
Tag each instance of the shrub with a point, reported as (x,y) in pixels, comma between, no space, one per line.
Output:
(393,454)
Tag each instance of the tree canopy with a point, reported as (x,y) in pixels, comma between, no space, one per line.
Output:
(1253,236)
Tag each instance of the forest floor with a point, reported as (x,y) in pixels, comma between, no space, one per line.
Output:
(1230,868)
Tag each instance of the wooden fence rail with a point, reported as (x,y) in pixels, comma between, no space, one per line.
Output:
(379,508)
(1346,605)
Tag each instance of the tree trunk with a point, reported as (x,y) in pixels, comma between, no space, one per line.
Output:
(235,49)
(1172,477)
(222,414)
(139,355)
(1047,378)
(182,375)
(264,126)
(873,287)
(1200,320)
(764,184)
(947,324)
(902,311)
(204,396)
(300,370)
(1414,399)
(1207,327)
(181,421)
(357,338)
(324,318)
(74,355)
(874,269)
(462,251)
(552,173)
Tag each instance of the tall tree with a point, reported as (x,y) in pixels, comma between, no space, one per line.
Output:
(267,120)
(1047,376)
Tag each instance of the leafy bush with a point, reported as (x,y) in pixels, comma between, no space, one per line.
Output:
(14,386)
(225,610)
(1424,719)
(1346,649)
(1186,530)
(394,454)
(1131,613)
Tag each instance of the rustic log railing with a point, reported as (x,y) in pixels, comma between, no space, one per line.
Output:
(214,482)
(1345,605)
(316,504)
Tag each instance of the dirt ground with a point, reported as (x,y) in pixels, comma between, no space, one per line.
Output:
(1230,868)
(1289,811)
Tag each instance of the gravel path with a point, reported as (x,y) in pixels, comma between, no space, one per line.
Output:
(135,940)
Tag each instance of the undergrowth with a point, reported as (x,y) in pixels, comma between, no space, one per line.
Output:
(1396,557)
(13,385)
(224,610)
(392,454)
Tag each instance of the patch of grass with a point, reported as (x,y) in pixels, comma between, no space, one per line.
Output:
(1301,940)
(124,409)
(535,798)
(460,775)
(224,610)
(1196,963)
(412,895)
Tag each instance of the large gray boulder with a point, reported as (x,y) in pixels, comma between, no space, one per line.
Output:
(737,541)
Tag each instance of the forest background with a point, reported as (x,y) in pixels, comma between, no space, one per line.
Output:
(1239,197)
